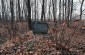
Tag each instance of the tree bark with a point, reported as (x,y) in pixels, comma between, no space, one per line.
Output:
(81,9)
(59,11)
(29,14)
(19,10)
(12,14)
(2,1)
(54,12)
(71,10)
(68,17)
(35,11)
(43,13)
(63,11)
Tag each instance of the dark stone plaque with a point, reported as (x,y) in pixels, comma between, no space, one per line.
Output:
(39,27)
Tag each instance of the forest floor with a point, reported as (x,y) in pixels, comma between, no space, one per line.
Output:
(60,40)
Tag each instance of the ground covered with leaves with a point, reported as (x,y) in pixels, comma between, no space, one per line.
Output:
(60,40)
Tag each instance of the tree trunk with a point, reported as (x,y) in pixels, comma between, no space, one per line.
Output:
(68,17)
(71,10)
(63,11)
(43,13)
(59,11)
(81,9)
(35,11)
(2,1)
(54,12)
(19,10)
(29,15)
(12,14)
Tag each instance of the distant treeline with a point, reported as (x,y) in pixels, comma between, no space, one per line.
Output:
(44,10)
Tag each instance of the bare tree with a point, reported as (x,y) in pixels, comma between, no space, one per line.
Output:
(43,12)
(13,25)
(35,10)
(68,16)
(81,9)
(29,14)
(54,9)
(49,11)
(71,10)
(19,10)
(3,9)
(59,11)
(12,13)
(63,10)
